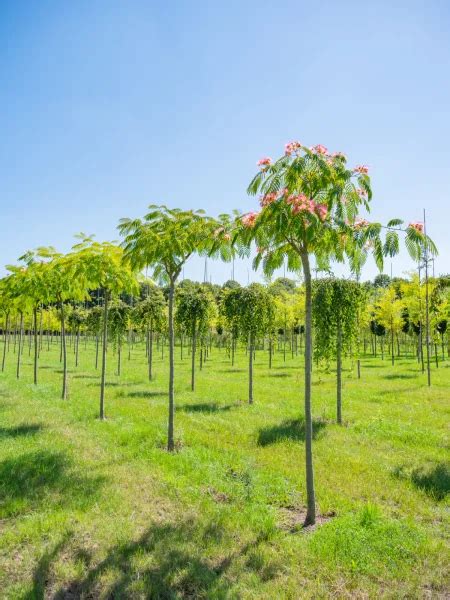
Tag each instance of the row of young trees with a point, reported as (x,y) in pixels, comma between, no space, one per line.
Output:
(310,203)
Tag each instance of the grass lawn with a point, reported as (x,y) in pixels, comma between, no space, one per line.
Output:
(92,509)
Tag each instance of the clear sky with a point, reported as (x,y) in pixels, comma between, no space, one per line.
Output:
(107,106)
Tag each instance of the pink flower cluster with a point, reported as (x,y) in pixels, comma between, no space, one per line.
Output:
(291,147)
(338,155)
(301,203)
(268,198)
(264,162)
(417,225)
(363,169)
(319,149)
(249,219)
(361,192)
(361,223)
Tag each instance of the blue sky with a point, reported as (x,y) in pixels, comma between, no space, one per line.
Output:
(107,106)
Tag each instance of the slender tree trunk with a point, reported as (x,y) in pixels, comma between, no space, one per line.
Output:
(310,492)
(77,346)
(170,434)
(6,341)
(63,351)
(194,347)
(150,351)
(36,347)
(339,374)
(96,351)
(250,369)
(105,342)
(19,351)
(119,354)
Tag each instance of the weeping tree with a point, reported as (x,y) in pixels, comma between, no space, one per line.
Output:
(256,310)
(164,239)
(229,309)
(195,308)
(335,308)
(94,326)
(389,314)
(310,202)
(150,315)
(76,319)
(118,317)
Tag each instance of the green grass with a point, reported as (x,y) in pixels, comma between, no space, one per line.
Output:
(92,509)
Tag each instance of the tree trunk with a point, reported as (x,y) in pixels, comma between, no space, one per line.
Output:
(310,493)
(6,340)
(19,352)
(339,374)
(150,351)
(35,327)
(105,341)
(170,435)
(63,351)
(250,369)
(194,346)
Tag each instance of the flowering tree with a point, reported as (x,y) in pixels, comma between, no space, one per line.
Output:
(310,202)
(164,240)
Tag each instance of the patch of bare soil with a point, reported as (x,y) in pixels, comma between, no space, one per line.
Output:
(292,519)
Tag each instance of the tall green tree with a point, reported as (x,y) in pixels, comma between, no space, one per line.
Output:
(164,239)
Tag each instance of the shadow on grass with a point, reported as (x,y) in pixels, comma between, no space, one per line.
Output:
(41,573)
(434,481)
(145,394)
(81,376)
(207,407)
(43,477)
(20,430)
(278,375)
(233,370)
(167,561)
(291,429)
(399,376)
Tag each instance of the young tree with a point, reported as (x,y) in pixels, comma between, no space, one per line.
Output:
(151,314)
(336,304)
(309,207)
(101,265)
(256,310)
(164,240)
(388,313)
(195,307)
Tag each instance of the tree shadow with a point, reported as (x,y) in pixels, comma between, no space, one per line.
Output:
(279,375)
(43,477)
(291,429)
(145,394)
(399,376)
(41,573)
(207,407)
(167,561)
(434,481)
(20,430)
(233,370)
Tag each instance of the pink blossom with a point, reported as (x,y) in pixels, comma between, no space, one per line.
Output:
(319,149)
(417,225)
(361,223)
(260,250)
(291,147)
(339,155)
(264,162)
(361,192)
(364,169)
(322,211)
(268,199)
(249,219)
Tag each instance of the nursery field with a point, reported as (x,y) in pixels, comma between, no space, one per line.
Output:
(100,509)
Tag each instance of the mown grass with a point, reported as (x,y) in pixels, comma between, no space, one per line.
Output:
(92,509)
